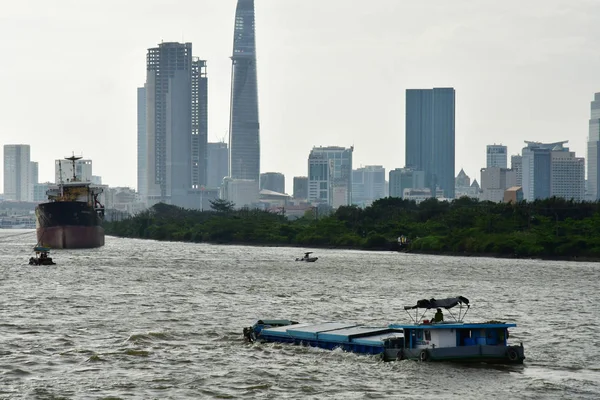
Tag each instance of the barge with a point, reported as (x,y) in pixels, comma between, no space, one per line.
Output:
(423,339)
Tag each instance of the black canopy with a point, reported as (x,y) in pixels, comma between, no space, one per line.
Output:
(439,303)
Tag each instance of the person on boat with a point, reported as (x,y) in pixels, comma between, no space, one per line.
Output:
(439,316)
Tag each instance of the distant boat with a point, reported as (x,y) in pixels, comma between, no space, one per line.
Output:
(41,256)
(307,257)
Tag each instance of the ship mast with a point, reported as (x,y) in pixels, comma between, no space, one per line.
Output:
(73,158)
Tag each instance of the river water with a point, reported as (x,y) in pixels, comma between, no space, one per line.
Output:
(158,320)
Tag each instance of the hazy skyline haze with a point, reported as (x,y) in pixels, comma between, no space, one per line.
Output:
(329,73)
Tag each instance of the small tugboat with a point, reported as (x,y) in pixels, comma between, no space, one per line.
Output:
(307,257)
(424,340)
(41,256)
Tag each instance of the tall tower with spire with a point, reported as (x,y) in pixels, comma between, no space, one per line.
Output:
(593,151)
(244,128)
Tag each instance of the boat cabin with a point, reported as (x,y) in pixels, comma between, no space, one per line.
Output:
(436,333)
(440,335)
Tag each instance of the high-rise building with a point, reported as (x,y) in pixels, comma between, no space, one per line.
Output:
(244,138)
(430,130)
(330,175)
(593,150)
(274,181)
(33,178)
(142,144)
(301,187)
(199,123)
(368,184)
(550,169)
(494,181)
(176,124)
(567,175)
(320,177)
(405,178)
(17,172)
(34,172)
(536,170)
(516,164)
(241,192)
(217,164)
(496,156)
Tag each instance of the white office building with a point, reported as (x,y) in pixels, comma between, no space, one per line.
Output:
(241,192)
(496,156)
(568,175)
(550,169)
(494,181)
(17,172)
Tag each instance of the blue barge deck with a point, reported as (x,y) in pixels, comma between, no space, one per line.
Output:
(327,335)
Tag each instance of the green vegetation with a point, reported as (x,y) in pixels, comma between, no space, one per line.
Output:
(552,228)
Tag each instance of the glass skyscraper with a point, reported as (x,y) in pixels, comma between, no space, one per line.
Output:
(593,150)
(330,175)
(430,130)
(244,141)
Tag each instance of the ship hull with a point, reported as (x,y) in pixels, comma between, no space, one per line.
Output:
(69,225)
(71,237)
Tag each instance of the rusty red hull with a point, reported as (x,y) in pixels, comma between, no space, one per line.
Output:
(71,237)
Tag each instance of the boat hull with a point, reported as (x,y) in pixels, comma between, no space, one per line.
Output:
(465,354)
(68,225)
(389,342)
(71,237)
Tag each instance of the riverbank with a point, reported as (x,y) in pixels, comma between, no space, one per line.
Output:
(549,230)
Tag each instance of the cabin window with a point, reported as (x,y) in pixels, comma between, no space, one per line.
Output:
(419,335)
(427,335)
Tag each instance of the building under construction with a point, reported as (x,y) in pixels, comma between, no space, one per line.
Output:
(176,112)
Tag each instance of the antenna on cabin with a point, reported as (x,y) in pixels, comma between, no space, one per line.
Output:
(73,158)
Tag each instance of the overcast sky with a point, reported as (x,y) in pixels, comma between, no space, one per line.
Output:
(330,72)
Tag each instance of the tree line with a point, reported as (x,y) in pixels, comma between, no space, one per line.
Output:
(551,228)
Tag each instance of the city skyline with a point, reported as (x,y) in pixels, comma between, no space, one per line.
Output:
(305,100)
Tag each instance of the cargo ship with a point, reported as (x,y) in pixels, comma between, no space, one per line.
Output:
(72,217)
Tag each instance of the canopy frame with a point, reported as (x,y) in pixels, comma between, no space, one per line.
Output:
(446,303)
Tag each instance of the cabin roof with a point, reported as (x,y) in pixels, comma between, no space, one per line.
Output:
(453,325)
(439,303)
